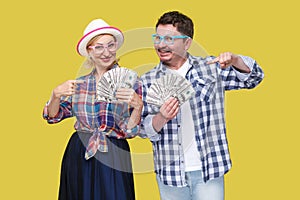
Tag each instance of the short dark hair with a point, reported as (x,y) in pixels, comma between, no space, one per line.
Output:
(182,22)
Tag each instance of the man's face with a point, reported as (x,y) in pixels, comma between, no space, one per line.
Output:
(171,53)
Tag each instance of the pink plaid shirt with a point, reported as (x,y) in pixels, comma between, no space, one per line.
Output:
(99,118)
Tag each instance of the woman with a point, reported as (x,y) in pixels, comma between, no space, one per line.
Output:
(97,163)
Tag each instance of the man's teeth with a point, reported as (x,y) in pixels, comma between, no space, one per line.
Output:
(164,51)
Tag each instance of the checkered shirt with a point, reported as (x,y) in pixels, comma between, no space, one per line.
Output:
(100,118)
(207,106)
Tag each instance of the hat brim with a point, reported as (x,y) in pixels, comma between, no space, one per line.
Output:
(81,46)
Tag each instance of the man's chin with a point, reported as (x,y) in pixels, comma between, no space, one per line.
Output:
(164,58)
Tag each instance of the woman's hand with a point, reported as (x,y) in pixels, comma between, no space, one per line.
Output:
(66,89)
(133,99)
(129,96)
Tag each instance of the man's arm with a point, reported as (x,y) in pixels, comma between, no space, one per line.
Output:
(229,59)
(167,112)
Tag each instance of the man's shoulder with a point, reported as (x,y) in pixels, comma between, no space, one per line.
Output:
(151,73)
(199,59)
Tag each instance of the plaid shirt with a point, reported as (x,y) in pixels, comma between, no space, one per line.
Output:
(207,106)
(100,118)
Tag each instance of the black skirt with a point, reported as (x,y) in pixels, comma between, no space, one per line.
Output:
(106,176)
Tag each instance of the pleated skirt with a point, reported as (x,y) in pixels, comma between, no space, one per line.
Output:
(106,176)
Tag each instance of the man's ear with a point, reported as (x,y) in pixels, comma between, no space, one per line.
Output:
(188,43)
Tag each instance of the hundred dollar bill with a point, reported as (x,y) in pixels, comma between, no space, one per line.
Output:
(112,80)
(129,79)
(170,85)
(185,94)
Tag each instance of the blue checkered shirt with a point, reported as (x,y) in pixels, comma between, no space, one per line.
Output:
(207,106)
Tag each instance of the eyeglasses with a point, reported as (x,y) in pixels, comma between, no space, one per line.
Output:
(98,49)
(168,40)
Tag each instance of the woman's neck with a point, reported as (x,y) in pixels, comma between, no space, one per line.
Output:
(99,73)
(101,70)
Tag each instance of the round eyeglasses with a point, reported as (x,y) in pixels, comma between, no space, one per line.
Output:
(168,39)
(99,48)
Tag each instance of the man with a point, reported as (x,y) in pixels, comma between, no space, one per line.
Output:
(189,141)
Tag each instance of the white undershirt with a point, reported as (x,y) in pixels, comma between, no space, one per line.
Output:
(191,154)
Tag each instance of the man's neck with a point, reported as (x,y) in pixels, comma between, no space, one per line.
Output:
(175,65)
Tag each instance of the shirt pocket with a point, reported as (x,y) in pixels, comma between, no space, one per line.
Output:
(205,88)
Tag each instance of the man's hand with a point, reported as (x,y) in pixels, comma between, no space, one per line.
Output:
(167,112)
(229,59)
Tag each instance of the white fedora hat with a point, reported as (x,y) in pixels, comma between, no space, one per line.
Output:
(97,27)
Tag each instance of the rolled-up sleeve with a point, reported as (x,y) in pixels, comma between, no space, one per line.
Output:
(148,131)
(65,111)
(250,63)
(233,79)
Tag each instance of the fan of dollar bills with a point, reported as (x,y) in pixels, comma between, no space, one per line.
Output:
(112,80)
(170,85)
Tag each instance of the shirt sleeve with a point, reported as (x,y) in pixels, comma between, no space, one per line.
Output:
(250,63)
(150,133)
(122,113)
(147,130)
(233,79)
(65,111)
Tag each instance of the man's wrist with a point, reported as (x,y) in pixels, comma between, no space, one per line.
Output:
(162,118)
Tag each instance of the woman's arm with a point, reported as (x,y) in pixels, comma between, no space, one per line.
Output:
(130,97)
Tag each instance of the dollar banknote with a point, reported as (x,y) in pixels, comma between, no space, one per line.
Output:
(170,85)
(112,80)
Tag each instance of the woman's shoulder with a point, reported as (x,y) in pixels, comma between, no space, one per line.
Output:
(84,77)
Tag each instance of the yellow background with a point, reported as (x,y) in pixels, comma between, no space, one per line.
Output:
(38,40)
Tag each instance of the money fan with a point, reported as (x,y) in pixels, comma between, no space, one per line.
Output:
(112,80)
(170,85)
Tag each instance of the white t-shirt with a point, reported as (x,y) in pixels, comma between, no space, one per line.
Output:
(191,154)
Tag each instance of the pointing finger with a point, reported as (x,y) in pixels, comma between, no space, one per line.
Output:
(79,81)
(213,61)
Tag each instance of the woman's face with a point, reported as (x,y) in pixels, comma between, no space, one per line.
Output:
(103,51)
